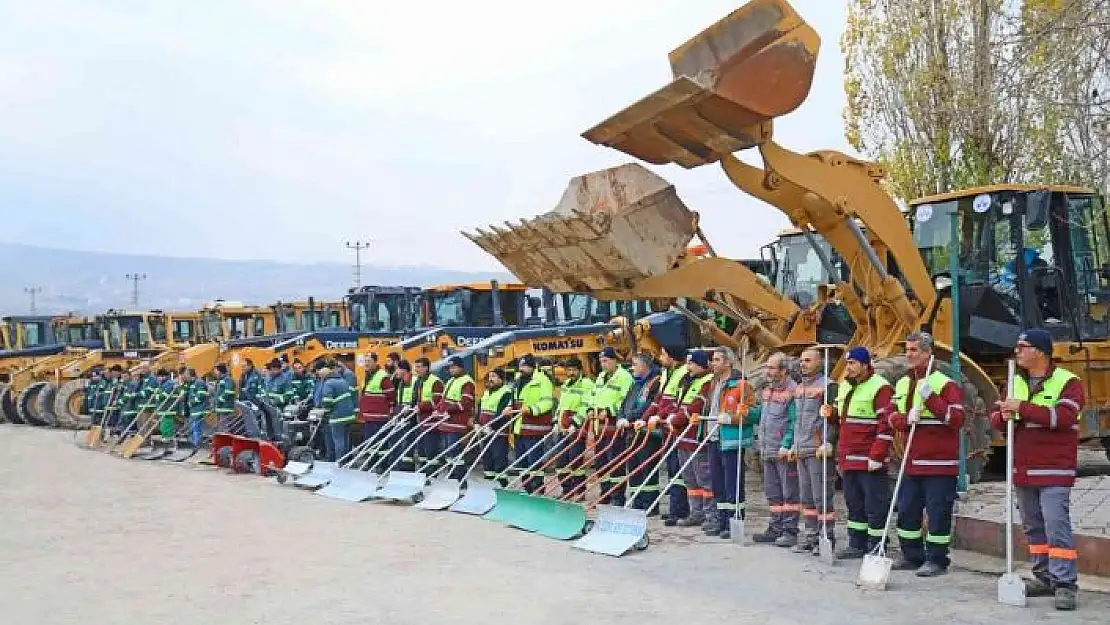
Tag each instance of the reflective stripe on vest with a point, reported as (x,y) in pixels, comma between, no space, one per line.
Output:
(936,381)
(692,392)
(863,400)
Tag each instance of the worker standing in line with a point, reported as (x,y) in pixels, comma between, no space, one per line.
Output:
(225,398)
(348,375)
(336,398)
(534,399)
(169,403)
(777,414)
(458,404)
(429,394)
(645,388)
(729,400)
(673,380)
(196,404)
(302,384)
(686,420)
(575,395)
(863,406)
(112,394)
(610,389)
(496,398)
(1046,408)
(391,362)
(250,382)
(129,398)
(376,403)
(935,405)
(406,399)
(93,391)
(814,454)
(275,391)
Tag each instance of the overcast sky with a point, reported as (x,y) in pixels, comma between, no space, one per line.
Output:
(279,129)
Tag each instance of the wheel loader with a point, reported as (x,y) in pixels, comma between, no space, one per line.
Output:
(729,84)
(310,315)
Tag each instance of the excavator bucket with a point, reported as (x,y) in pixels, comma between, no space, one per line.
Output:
(730,81)
(611,228)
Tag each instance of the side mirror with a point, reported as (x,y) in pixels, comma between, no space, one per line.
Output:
(1037,206)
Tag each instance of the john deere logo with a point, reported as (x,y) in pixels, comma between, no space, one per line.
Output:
(340,344)
(557,345)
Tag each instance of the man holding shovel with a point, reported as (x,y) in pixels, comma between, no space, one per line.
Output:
(863,405)
(574,399)
(935,403)
(814,440)
(729,399)
(686,421)
(1046,406)
(673,379)
(777,414)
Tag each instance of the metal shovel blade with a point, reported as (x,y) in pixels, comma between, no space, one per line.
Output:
(561,520)
(296,469)
(478,498)
(93,437)
(156,453)
(350,485)
(440,494)
(874,573)
(736,530)
(181,455)
(825,550)
(402,486)
(319,475)
(506,505)
(615,531)
(1011,590)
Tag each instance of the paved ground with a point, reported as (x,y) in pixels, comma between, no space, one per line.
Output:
(89,538)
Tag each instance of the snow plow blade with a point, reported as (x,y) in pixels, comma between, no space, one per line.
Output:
(611,229)
(730,81)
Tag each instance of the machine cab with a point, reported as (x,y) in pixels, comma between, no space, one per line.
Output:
(479,304)
(309,316)
(1027,256)
(390,309)
(128,330)
(234,320)
(26,332)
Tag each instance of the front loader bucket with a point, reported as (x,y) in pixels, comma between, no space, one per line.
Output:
(439,494)
(479,497)
(561,520)
(349,485)
(615,531)
(612,228)
(730,81)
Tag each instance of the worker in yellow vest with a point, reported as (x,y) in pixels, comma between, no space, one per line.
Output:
(497,397)
(534,399)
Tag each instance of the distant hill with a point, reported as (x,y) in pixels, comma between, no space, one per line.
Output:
(92,282)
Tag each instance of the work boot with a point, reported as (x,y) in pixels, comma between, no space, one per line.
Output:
(850,553)
(786,540)
(1037,587)
(805,545)
(931,569)
(711,530)
(902,564)
(725,534)
(691,521)
(670,521)
(1066,598)
(768,536)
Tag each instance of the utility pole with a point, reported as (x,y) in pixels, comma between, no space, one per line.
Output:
(33,291)
(358,246)
(134,278)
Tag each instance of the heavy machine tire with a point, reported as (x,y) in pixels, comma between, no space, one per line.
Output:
(976,416)
(3,391)
(223,457)
(247,461)
(44,405)
(301,454)
(25,404)
(69,403)
(7,405)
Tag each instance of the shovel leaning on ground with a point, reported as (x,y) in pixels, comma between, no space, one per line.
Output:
(824,545)
(440,493)
(1011,588)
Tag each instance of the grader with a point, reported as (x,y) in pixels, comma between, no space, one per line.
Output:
(729,84)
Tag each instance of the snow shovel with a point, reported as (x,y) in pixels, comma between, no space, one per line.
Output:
(441,492)
(409,485)
(736,527)
(95,436)
(354,479)
(505,500)
(874,573)
(618,529)
(824,545)
(1011,588)
(132,444)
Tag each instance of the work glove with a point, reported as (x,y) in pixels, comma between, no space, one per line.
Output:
(873,466)
(826,410)
(924,391)
(486,430)
(784,453)
(724,419)
(622,423)
(824,451)
(638,424)
(914,416)
(653,422)
(571,429)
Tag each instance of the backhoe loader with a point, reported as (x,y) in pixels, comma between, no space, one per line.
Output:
(733,79)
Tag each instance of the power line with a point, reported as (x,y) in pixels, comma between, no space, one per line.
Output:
(134,278)
(358,246)
(33,291)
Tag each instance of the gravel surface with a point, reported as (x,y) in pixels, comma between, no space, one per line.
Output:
(92,539)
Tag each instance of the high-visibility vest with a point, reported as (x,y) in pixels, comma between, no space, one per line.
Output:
(936,381)
(454,389)
(672,379)
(426,387)
(405,393)
(862,405)
(1050,390)
(492,399)
(373,384)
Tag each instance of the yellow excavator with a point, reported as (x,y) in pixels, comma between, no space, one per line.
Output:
(729,84)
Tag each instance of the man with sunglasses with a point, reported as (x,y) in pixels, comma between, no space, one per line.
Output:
(1046,408)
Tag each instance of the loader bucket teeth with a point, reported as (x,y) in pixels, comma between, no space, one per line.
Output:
(730,82)
(611,228)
